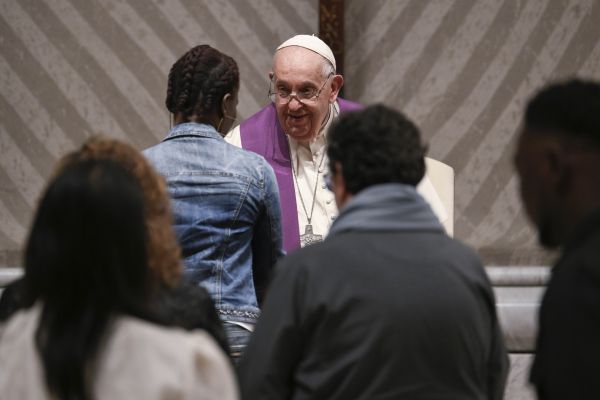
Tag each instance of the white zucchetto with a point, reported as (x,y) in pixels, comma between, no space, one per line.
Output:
(313,43)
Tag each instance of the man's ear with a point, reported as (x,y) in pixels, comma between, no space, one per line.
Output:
(340,192)
(336,84)
(271,75)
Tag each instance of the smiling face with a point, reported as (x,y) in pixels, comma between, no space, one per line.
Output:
(296,69)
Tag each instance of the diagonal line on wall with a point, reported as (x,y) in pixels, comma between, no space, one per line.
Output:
(25,141)
(6,236)
(484,210)
(125,52)
(269,25)
(66,93)
(14,212)
(301,16)
(372,62)
(591,68)
(19,169)
(479,80)
(29,109)
(247,40)
(507,225)
(362,42)
(521,232)
(497,202)
(146,36)
(454,61)
(493,146)
(120,90)
(582,44)
(417,72)
(61,85)
(410,49)
(162,27)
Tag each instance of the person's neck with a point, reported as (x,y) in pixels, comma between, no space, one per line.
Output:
(303,143)
(574,229)
(179,118)
(578,207)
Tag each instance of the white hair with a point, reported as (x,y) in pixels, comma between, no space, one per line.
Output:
(327,66)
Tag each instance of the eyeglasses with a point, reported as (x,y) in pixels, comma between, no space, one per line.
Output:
(308,95)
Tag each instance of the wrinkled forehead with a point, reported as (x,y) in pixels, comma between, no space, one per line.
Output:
(298,62)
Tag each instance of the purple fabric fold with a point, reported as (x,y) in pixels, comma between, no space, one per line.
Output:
(262,134)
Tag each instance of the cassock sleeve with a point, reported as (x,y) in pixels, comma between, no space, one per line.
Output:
(266,370)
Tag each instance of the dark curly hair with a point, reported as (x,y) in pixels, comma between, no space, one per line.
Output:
(199,80)
(570,109)
(374,146)
(164,254)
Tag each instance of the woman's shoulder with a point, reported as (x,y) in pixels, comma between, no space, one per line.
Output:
(139,355)
(21,323)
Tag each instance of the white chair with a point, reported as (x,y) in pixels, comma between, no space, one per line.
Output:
(438,189)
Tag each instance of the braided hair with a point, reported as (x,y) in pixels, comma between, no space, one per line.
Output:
(199,80)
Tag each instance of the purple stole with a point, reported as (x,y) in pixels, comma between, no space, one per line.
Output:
(262,134)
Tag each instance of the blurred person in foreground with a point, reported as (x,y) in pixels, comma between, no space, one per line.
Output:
(87,333)
(558,162)
(388,306)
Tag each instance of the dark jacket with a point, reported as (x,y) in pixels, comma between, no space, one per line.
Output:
(568,344)
(388,307)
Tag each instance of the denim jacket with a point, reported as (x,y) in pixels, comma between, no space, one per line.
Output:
(227,215)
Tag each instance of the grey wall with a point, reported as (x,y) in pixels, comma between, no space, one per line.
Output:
(71,68)
(461,69)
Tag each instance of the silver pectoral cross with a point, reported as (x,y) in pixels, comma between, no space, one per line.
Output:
(309,237)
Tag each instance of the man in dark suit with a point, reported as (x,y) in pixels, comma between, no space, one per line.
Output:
(558,161)
(388,306)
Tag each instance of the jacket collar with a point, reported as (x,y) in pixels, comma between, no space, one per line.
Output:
(386,207)
(193,129)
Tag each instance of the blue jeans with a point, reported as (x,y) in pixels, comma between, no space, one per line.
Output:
(238,338)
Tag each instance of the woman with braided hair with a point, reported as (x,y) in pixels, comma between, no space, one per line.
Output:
(225,200)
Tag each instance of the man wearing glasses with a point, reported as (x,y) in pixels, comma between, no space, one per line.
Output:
(290,133)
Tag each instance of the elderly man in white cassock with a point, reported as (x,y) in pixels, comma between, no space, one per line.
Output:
(291,134)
